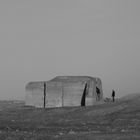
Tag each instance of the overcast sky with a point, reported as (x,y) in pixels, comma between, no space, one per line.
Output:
(41,39)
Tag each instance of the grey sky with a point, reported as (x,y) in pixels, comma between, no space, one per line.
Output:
(40,39)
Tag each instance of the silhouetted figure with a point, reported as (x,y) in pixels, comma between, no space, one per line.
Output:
(84,96)
(113,95)
(98,93)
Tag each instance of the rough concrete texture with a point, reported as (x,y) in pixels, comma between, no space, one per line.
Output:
(63,91)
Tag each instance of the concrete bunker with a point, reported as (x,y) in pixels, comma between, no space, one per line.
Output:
(64,91)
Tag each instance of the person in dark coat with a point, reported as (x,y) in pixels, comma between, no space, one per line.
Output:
(98,93)
(113,95)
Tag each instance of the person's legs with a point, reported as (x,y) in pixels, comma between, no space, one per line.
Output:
(113,99)
(98,97)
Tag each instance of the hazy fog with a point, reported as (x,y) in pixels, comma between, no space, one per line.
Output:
(40,39)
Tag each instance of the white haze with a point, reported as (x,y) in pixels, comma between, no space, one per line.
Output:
(42,39)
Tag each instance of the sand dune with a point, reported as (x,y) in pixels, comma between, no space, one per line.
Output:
(132,96)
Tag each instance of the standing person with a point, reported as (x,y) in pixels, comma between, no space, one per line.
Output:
(98,93)
(113,95)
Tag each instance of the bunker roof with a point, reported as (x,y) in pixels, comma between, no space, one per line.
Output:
(72,79)
(59,79)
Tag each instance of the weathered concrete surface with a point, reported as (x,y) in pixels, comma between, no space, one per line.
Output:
(35,98)
(54,94)
(72,94)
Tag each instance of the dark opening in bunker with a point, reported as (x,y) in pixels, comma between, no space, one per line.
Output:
(83,100)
